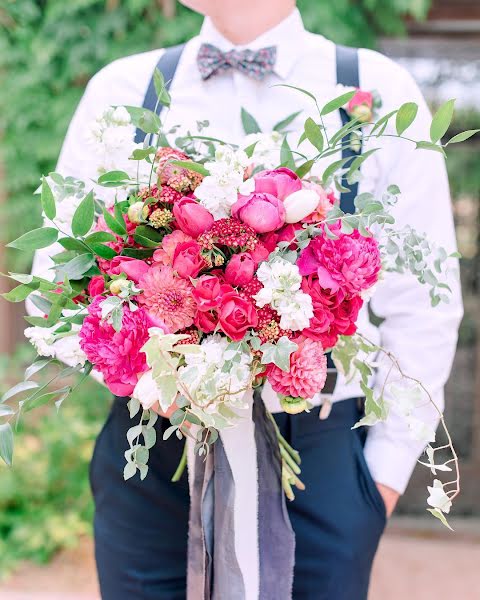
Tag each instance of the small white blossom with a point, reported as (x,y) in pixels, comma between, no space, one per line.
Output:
(438,498)
(295,311)
(67,350)
(405,396)
(219,190)
(267,148)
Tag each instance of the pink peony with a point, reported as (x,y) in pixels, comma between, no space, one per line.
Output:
(262,212)
(350,262)
(279,182)
(168,297)
(116,354)
(164,255)
(308,371)
(191,217)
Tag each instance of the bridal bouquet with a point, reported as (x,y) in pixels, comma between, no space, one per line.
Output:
(200,269)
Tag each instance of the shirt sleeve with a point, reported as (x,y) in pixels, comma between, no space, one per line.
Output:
(423,338)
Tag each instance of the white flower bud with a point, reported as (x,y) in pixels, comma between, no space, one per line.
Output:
(135,213)
(300,204)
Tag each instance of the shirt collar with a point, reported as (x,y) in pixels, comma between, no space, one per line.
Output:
(288,37)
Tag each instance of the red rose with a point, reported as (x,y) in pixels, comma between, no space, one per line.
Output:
(207,292)
(206,321)
(187,259)
(240,269)
(236,315)
(96,286)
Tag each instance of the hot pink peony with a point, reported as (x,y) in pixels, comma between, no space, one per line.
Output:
(116,354)
(262,212)
(279,182)
(168,297)
(308,371)
(350,262)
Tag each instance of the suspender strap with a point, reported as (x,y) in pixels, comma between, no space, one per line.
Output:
(348,75)
(167,65)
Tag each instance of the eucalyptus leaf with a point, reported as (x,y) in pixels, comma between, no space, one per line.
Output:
(35,239)
(462,137)
(441,121)
(47,200)
(314,134)
(406,116)
(83,217)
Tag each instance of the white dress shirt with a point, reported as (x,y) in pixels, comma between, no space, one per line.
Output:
(421,337)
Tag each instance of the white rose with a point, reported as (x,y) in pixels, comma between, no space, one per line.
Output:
(299,205)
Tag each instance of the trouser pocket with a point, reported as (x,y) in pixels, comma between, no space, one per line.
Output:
(367,484)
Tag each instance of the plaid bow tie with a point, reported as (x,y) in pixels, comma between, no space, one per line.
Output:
(254,63)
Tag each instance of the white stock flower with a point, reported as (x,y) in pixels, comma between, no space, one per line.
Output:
(438,498)
(42,339)
(66,348)
(420,431)
(282,280)
(218,191)
(267,148)
(146,391)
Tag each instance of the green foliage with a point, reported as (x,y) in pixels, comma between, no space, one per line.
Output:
(45,501)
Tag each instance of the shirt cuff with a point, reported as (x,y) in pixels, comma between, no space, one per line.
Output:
(390,463)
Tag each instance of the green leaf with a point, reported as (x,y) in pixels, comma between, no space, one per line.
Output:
(147,236)
(298,89)
(161,89)
(144,119)
(281,125)
(103,251)
(113,179)
(22,291)
(142,153)
(305,168)
(438,514)
(382,123)
(99,237)
(77,267)
(406,116)
(19,388)
(6,443)
(83,217)
(70,243)
(249,123)
(462,137)
(442,120)
(286,156)
(117,227)
(314,134)
(35,239)
(37,366)
(429,146)
(190,165)
(337,103)
(48,201)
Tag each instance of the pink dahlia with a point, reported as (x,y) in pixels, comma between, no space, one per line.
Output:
(168,297)
(116,354)
(308,371)
(350,263)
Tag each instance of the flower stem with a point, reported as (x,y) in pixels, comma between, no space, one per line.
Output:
(181,465)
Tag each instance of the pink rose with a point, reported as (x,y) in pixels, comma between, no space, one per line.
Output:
(262,212)
(361,106)
(187,259)
(132,267)
(96,286)
(207,292)
(236,315)
(240,269)
(278,182)
(259,253)
(191,217)
(206,321)
(164,255)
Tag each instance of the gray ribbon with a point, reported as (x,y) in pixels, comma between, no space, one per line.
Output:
(213,570)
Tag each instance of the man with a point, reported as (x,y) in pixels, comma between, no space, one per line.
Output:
(338,520)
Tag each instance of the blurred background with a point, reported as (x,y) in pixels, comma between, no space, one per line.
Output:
(48,51)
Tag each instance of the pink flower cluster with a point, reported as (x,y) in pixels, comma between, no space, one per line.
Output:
(201,276)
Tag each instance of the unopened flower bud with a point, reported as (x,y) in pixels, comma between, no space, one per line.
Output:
(117,286)
(293,406)
(135,213)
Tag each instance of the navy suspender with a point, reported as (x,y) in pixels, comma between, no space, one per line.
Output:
(167,65)
(348,75)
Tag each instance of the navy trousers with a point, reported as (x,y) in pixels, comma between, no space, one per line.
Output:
(141,526)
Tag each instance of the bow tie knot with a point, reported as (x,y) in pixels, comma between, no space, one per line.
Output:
(253,63)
